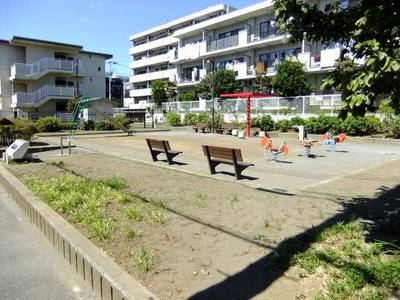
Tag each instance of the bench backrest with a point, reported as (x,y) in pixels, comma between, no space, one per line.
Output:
(222,152)
(158,144)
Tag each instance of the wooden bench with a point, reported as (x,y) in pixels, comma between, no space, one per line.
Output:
(158,146)
(220,155)
(226,128)
(200,127)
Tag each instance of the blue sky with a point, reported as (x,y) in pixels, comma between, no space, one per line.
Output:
(98,25)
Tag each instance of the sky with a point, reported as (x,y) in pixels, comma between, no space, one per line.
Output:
(97,25)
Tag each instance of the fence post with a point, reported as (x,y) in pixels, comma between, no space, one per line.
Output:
(331,105)
(304,106)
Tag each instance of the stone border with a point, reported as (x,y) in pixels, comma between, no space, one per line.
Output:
(100,132)
(106,278)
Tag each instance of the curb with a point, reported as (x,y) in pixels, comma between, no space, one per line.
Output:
(100,132)
(106,278)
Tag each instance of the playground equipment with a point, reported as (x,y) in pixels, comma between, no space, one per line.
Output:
(87,102)
(330,141)
(266,144)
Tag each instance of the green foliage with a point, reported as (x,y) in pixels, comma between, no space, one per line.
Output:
(162,90)
(263,83)
(104,125)
(144,260)
(18,129)
(159,216)
(291,79)
(323,124)
(89,125)
(370,27)
(297,121)
(190,119)
(134,213)
(361,125)
(218,120)
(187,96)
(224,81)
(121,120)
(173,119)
(72,103)
(84,201)
(355,269)
(48,124)
(116,183)
(265,123)
(283,125)
(203,117)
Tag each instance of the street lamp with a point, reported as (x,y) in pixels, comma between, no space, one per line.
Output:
(109,77)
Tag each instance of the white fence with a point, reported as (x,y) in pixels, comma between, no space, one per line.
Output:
(302,105)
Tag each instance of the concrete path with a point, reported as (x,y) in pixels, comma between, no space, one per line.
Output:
(30,269)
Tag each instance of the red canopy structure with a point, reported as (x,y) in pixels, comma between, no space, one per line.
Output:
(247,96)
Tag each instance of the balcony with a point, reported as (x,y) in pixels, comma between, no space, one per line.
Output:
(40,96)
(326,59)
(154,60)
(140,92)
(190,79)
(171,74)
(166,41)
(228,42)
(257,36)
(42,67)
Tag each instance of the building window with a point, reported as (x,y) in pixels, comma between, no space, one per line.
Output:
(229,33)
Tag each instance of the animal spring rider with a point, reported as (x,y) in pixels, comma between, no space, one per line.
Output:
(266,144)
(330,141)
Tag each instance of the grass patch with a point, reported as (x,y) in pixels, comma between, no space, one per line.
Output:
(160,216)
(84,201)
(134,213)
(132,234)
(356,269)
(116,183)
(144,260)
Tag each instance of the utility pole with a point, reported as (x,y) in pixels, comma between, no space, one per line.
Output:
(76,76)
(109,78)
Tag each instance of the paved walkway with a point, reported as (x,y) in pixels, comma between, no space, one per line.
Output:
(30,269)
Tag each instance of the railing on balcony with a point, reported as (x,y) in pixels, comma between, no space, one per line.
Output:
(47,91)
(257,35)
(230,41)
(20,70)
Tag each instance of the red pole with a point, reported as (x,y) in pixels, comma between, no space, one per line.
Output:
(248,125)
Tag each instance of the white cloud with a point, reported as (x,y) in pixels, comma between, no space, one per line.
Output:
(97,3)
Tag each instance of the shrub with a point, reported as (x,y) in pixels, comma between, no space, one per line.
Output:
(190,119)
(104,125)
(297,121)
(323,124)
(48,124)
(218,120)
(89,125)
(283,125)
(203,117)
(361,125)
(122,121)
(266,123)
(187,96)
(24,129)
(173,119)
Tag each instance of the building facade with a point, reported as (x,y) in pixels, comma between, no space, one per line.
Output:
(38,77)
(246,41)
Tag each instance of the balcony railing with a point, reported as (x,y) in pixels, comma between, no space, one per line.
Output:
(45,92)
(257,35)
(28,71)
(230,41)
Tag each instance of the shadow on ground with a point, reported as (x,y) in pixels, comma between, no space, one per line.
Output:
(382,213)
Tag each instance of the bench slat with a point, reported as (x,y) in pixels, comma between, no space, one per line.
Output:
(222,153)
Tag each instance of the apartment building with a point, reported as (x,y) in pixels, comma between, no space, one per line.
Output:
(245,40)
(38,77)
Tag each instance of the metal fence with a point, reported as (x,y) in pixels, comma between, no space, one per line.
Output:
(302,105)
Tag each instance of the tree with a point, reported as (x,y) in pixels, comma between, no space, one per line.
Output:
(291,79)
(263,83)
(224,81)
(162,90)
(187,96)
(370,28)
(170,90)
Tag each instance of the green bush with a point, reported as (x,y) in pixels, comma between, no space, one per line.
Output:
(266,123)
(187,96)
(323,124)
(361,125)
(297,121)
(190,119)
(218,120)
(203,117)
(121,121)
(89,125)
(283,125)
(104,125)
(173,119)
(20,129)
(48,124)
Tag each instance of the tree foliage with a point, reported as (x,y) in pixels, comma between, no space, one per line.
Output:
(263,83)
(224,81)
(162,90)
(291,79)
(370,28)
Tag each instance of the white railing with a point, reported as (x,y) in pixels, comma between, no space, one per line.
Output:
(223,43)
(25,71)
(47,91)
(313,104)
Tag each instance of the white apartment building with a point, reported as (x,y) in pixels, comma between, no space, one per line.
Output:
(245,40)
(38,77)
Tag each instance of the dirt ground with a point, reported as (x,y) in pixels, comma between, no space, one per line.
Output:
(221,237)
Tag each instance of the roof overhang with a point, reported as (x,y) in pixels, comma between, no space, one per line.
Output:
(231,18)
(23,41)
(246,95)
